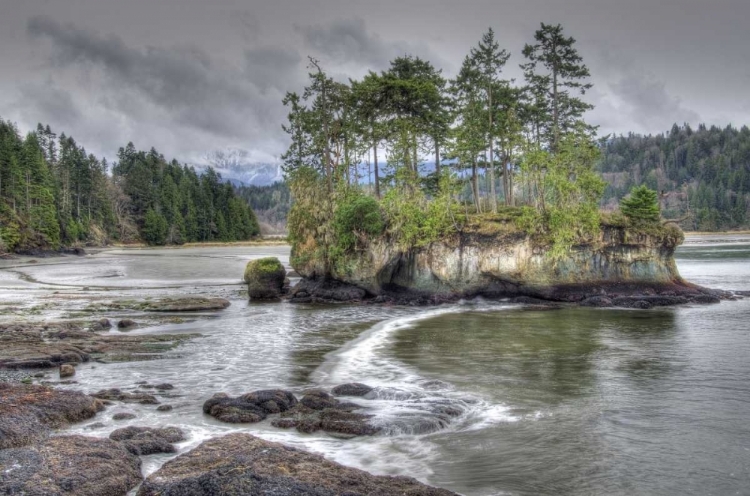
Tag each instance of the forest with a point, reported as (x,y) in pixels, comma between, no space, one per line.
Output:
(271,204)
(702,175)
(53,194)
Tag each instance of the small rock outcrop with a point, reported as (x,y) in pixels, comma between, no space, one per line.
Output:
(71,465)
(148,440)
(251,407)
(318,410)
(265,278)
(351,389)
(115,394)
(67,370)
(29,412)
(241,464)
(127,324)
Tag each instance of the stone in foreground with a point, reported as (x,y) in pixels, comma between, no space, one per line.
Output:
(241,464)
(148,440)
(28,412)
(251,407)
(69,465)
(265,278)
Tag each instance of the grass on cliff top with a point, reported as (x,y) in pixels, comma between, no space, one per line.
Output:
(507,221)
(504,222)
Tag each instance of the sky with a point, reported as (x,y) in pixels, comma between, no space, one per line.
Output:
(190,76)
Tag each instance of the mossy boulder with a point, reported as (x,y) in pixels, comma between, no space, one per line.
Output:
(265,278)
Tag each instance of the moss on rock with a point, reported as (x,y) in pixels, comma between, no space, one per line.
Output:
(265,278)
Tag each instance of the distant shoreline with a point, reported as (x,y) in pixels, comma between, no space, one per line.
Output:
(715,233)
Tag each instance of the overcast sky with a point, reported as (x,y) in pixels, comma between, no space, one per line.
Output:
(191,76)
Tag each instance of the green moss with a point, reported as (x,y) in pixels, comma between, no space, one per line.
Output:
(263,267)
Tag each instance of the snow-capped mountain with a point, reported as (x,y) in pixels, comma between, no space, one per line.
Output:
(240,168)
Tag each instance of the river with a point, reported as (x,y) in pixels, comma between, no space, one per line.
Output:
(572,401)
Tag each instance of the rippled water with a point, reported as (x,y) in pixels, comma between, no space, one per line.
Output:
(574,401)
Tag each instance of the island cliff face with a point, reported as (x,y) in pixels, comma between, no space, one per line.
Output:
(618,263)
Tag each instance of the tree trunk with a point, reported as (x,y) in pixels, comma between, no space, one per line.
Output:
(437,158)
(475,184)
(493,193)
(555,114)
(375,164)
(327,151)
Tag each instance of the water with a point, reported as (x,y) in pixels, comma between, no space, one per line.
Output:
(573,401)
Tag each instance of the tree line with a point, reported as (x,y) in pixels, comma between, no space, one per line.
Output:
(492,140)
(702,175)
(271,204)
(54,194)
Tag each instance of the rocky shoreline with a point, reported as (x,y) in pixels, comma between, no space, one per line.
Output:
(33,462)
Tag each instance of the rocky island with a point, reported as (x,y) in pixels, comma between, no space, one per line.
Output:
(620,267)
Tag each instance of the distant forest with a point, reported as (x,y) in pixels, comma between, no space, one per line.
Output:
(702,175)
(271,205)
(54,194)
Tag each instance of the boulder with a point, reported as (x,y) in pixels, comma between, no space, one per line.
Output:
(265,278)
(29,412)
(351,389)
(164,408)
(251,407)
(148,440)
(71,465)
(67,370)
(241,464)
(126,324)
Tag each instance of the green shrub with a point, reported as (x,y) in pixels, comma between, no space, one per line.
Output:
(642,205)
(358,215)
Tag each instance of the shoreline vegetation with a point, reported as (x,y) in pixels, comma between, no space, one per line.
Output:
(53,195)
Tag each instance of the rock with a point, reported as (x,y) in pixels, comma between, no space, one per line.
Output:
(35,345)
(597,301)
(251,407)
(265,278)
(124,416)
(338,419)
(67,370)
(147,440)
(164,387)
(325,291)
(164,408)
(351,389)
(102,325)
(115,394)
(29,412)
(318,400)
(72,465)
(185,304)
(126,324)
(242,464)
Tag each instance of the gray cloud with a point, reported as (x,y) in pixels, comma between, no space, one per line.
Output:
(648,103)
(349,42)
(188,77)
(273,67)
(185,81)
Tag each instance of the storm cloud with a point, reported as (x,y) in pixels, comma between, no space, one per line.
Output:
(189,77)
